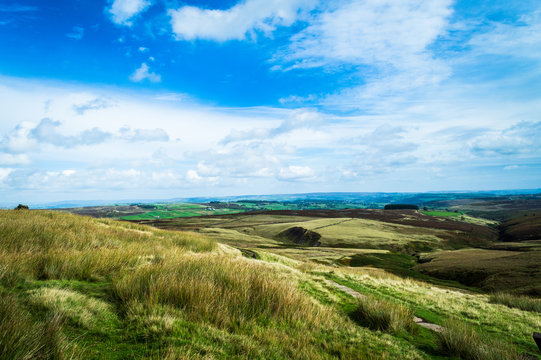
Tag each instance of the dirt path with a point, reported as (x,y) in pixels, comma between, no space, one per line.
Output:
(419,321)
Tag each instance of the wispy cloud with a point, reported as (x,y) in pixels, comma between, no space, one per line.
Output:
(130,134)
(144,73)
(387,41)
(17,8)
(94,104)
(124,11)
(242,20)
(520,39)
(47,131)
(298,119)
(296,173)
(76,33)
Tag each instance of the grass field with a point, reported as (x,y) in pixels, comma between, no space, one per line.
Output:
(77,287)
(442,213)
(490,270)
(80,288)
(404,234)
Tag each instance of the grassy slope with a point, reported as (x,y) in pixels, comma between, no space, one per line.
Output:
(103,289)
(491,270)
(92,289)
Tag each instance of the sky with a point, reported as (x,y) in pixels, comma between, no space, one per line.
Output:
(147,99)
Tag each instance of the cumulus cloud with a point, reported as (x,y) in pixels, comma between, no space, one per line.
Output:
(519,139)
(76,33)
(123,11)
(143,73)
(247,17)
(18,140)
(48,131)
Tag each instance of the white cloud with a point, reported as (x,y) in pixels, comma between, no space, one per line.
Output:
(296,173)
(374,32)
(130,134)
(14,159)
(247,17)
(4,173)
(298,119)
(123,11)
(268,150)
(143,49)
(387,41)
(143,73)
(521,40)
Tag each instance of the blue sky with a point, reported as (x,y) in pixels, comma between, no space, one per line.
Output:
(164,98)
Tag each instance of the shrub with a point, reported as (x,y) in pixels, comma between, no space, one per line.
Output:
(520,302)
(464,341)
(400,207)
(383,315)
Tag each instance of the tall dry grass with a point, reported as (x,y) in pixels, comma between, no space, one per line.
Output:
(464,341)
(521,302)
(53,245)
(383,315)
(223,291)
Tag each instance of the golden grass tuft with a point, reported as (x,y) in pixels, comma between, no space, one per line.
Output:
(464,341)
(383,315)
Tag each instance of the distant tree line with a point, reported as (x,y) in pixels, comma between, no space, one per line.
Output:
(401,207)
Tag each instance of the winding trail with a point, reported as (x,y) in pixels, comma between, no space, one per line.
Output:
(419,321)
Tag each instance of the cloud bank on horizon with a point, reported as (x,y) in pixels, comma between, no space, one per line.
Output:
(162,98)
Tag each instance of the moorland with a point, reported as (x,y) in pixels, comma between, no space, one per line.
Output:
(282,283)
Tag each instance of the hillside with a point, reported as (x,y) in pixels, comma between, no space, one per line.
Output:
(83,288)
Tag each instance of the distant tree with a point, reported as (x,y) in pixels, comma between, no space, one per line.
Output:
(21,207)
(401,207)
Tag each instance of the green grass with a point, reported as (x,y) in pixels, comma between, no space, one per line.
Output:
(512,327)
(383,315)
(525,303)
(399,264)
(490,270)
(84,288)
(464,341)
(441,213)
(81,288)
